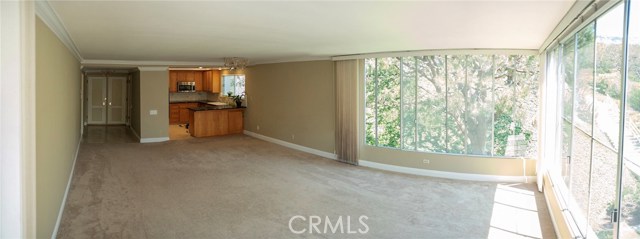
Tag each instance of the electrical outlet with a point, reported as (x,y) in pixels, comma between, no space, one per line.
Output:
(153,112)
(293,136)
(257,127)
(426,161)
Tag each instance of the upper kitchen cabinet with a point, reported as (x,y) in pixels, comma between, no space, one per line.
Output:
(176,76)
(197,77)
(211,81)
(181,76)
(173,81)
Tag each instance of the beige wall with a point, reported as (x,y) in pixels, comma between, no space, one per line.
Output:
(154,95)
(135,102)
(293,99)
(450,162)
(58,122)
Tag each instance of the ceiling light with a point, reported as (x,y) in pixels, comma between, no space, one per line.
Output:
(235,62)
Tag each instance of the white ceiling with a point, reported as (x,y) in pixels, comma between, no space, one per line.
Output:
(205,31)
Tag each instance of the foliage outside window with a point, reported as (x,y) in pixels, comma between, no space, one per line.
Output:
(460,104)
(233,84)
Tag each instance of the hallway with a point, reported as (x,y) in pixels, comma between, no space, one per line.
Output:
(99,134)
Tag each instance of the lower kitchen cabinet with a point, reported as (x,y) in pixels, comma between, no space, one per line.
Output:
(206,123)
(236,121)
(179,112)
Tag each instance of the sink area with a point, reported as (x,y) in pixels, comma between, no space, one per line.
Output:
(216,103)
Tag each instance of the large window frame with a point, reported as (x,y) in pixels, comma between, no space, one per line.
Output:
(372,106)
(607,160)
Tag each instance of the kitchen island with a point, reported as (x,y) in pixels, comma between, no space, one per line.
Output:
(212,120)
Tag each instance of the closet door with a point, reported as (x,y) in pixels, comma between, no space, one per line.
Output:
(117,100)
(97,100)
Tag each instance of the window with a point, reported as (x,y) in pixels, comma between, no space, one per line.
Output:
(233,84)
(460,104)
(589,80)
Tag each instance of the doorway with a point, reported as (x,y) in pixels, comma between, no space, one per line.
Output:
(106,97)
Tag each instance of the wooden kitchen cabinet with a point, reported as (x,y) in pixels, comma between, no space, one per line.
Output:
(184,111)
(211,81)
(189,76)
(197,77)
(236,121)
(208,123)
(179,112)
(206,81)
(174,113)
(173,81)
(181,76)
(215,122)
(184,115)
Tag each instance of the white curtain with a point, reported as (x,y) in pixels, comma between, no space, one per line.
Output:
(347,75)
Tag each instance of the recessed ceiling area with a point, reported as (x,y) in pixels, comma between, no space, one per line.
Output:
(203,31)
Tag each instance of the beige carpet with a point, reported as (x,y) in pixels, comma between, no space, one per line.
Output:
(241,187)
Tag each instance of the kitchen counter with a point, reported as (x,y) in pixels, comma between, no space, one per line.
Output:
(188,101)
(215,107)
(215,120)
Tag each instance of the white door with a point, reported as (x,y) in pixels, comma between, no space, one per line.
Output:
(116,100)
(97,100)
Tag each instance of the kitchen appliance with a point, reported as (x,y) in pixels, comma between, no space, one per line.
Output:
(187,86)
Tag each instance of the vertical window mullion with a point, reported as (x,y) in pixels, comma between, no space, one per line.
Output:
(415,105)
(593,121)
(400,112)
(623,112)
(515,105)
(466,85)
(446,103)
(573,99)
(560,106)
(493,102)
(377,91)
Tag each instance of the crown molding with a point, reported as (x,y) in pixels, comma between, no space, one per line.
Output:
(293,59)
(121,63)
(51,19)
(153,68)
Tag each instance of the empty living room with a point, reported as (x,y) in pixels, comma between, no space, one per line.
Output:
(320,119)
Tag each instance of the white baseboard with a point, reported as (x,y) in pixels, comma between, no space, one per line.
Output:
(400,169)
(292,145)
(449,175)
(66,192)
(154,140)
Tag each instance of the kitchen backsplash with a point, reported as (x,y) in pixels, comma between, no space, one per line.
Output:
(213,97)
(188,96)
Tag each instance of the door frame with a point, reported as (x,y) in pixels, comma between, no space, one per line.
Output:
(17,119)
(87,88)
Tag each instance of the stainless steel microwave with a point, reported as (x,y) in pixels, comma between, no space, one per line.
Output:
(187,86)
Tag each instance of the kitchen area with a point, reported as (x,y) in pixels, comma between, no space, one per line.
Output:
(205,102)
